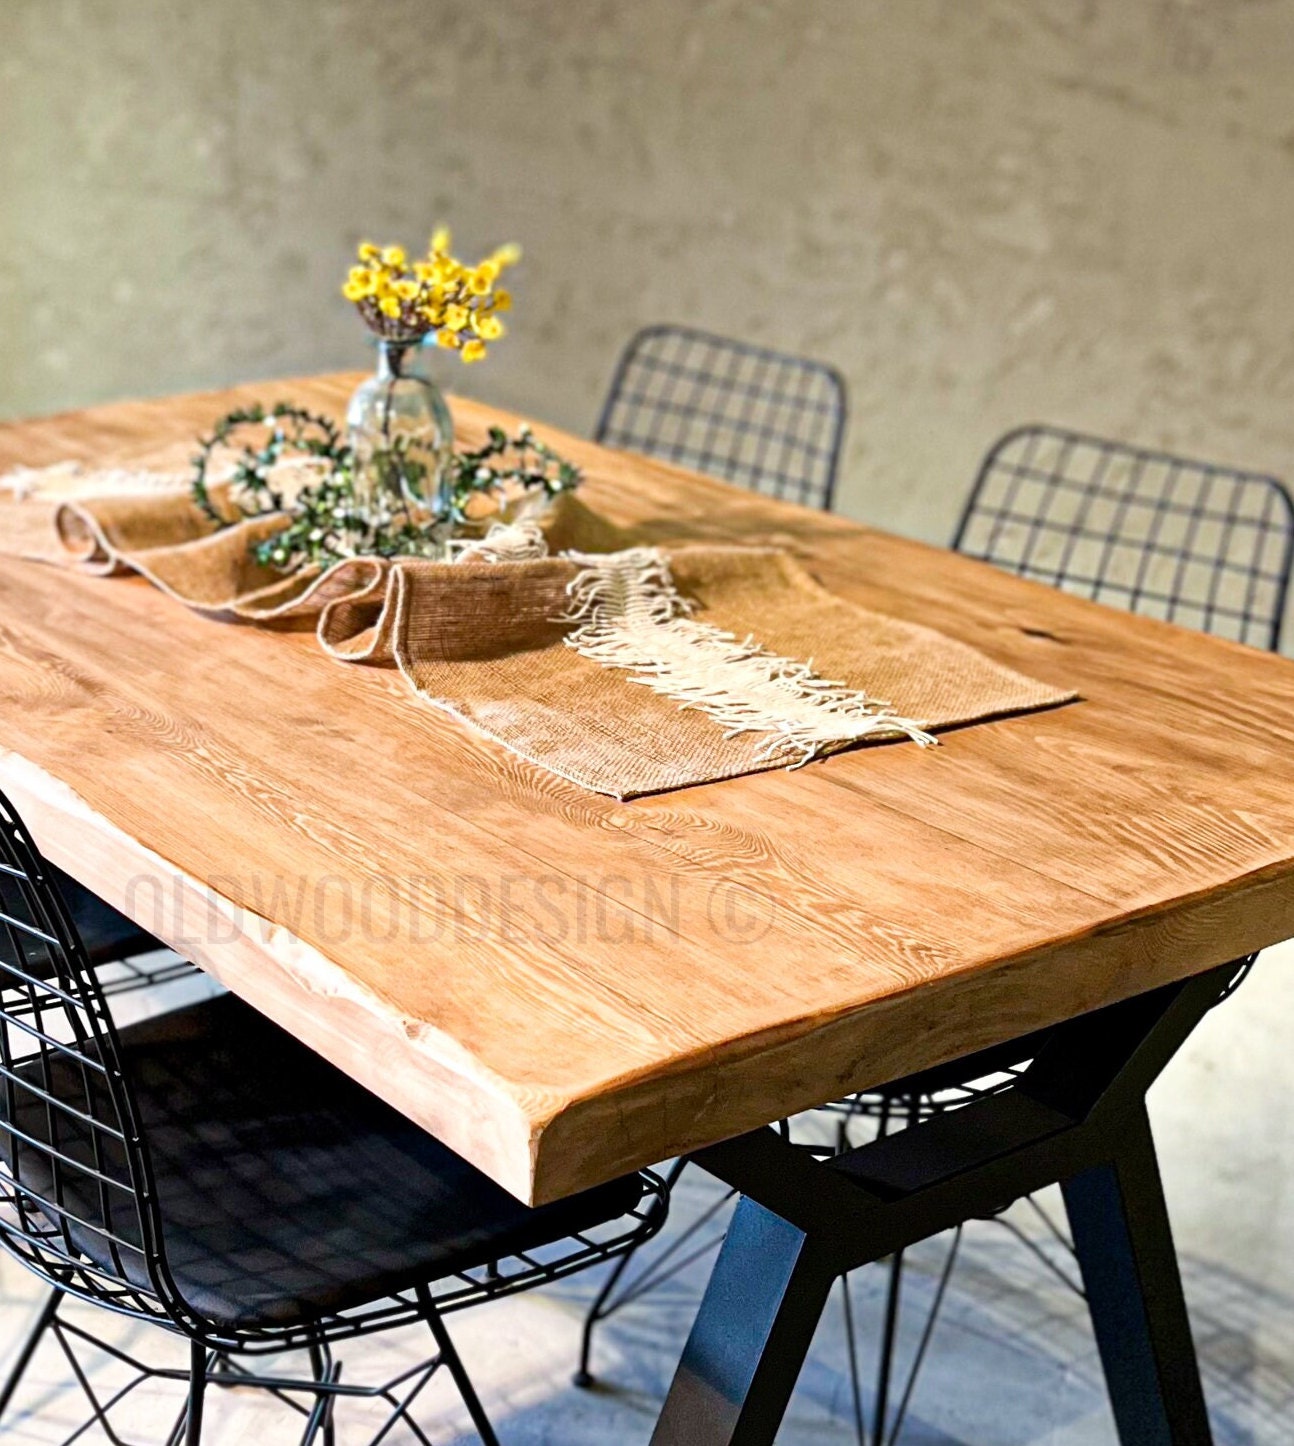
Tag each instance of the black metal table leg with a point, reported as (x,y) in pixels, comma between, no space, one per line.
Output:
(761,1307)
(1125,1252)
(1076,1117)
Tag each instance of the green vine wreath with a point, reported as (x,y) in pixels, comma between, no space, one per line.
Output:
(325,522)
(292,430)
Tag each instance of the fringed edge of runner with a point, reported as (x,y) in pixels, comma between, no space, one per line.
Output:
(631,616)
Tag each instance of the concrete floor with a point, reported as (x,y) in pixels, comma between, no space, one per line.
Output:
(1012,1362)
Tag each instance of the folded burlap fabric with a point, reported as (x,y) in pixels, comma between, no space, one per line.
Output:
(623,668)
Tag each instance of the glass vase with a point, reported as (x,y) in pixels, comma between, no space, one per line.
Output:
(401,433)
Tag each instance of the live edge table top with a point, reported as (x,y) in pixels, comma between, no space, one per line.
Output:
(563,987)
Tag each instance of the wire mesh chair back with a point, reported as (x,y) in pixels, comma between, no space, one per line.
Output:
(76,1203)
(762,419)
(1205,546)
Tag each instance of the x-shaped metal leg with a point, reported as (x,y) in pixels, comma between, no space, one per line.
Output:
(1076,1117)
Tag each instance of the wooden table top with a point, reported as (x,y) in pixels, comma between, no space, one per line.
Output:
(562,986)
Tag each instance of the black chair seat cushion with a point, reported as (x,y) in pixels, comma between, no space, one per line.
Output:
(107,934)
(288,1192)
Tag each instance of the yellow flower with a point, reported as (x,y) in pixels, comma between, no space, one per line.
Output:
(455,302)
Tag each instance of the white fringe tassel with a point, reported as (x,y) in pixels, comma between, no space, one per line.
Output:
(504,542)
(631,616)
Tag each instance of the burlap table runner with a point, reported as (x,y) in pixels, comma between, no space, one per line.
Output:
(681,668)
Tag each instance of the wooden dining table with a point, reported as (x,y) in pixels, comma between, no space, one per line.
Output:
(564,987)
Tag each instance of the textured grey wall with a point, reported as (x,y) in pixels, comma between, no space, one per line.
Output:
(981,210)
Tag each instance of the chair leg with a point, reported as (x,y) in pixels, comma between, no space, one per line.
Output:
(321,1370)
(584,1377)
(851,1349)
(44,1317)
(889,1337)
(449,1354)
(893,1296)
(197,1394)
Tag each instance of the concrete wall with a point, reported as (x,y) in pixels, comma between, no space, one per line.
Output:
(982,211)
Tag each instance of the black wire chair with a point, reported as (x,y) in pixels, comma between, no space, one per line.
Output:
(1197,544)
(760,418)
(205,1172)
(1205,546)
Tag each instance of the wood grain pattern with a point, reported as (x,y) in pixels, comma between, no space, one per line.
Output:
(563,986)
